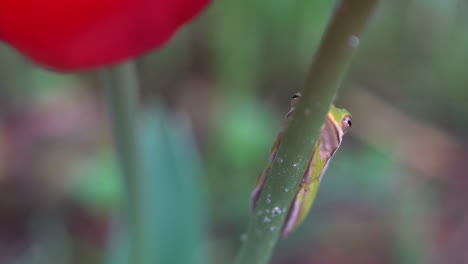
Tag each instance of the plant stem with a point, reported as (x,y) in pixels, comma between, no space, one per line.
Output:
(121,83)
(325,76)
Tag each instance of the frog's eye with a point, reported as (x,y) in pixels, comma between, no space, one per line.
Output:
(346,123)
(296,95)
(295,99)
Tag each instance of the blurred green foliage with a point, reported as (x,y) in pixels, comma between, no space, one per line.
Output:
(231,75)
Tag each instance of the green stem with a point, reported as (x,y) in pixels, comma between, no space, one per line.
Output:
(121,83)
(325,76)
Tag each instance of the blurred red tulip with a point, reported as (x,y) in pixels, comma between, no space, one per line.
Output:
(82,34)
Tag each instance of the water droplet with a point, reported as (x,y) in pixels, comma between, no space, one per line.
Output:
(276,211)
(295,165)
(259,213)
(286,189)
(268,194)
(266,219)
(307,111)
(272,228)
(353,41)
(267,211)
(244,237)
(268,200)
(280,160)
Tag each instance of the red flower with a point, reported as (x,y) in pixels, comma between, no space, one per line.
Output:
(81,34)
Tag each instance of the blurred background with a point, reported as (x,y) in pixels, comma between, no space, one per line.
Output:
(212,102)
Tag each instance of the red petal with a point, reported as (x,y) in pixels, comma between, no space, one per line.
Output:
(81,34)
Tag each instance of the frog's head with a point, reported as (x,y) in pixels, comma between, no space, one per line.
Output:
(341,117)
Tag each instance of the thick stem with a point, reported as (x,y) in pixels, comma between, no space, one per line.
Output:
(121,83)
(325,76)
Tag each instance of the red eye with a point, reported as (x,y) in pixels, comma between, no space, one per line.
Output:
(295,99)
(346,123)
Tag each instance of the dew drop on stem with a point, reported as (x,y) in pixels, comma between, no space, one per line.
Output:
(353,41)
(276,211)
(244,237)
